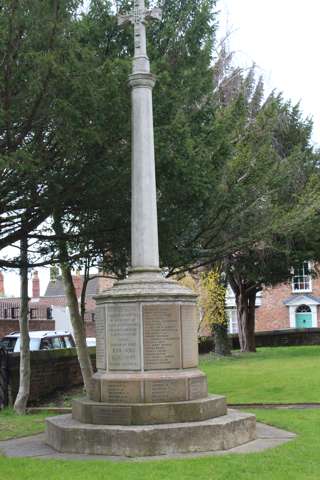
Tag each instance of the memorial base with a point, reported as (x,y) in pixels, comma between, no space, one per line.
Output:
(149,396)
(67,435)
(96,413)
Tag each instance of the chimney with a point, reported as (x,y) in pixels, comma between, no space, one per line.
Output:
(1,285)
(35,285)
(77,282)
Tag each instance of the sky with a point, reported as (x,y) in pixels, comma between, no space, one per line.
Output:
(282,38)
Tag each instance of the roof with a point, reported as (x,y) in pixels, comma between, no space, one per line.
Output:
(40,333)
(302,297)
(55,288)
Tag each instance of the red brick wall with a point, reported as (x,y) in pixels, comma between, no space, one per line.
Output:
(50,370)
(90,329)
(273,314)
(8,326)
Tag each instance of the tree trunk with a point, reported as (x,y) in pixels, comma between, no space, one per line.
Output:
(21,401)
(77,323)
(246,318)
(251,320)
(221,340)
(78,329)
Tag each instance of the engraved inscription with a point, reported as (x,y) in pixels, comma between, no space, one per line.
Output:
(161,337)
(121,392)
(123,331)
(111,415)
(100,321)
(165,391)
(198,388)
(189,323)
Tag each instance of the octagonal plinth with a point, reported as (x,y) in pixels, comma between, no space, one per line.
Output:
(97,413)
(150,387)
(147,345)
(67,435)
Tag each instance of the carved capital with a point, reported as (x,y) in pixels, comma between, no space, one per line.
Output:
(138,80)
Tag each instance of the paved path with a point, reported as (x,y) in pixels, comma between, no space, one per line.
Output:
(35,447)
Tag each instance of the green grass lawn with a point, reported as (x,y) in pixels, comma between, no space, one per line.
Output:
(286,374)
(14,426)
(297,460)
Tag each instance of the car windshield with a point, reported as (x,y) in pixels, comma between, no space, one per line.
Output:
(34,344)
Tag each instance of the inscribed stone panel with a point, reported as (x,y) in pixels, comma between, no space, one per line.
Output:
(100,321)
(189,323)
(123,332)
(114,391)
(198,388)
(109,415)
(157,391)
(161,336)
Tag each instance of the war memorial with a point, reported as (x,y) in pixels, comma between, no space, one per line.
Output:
(150,397)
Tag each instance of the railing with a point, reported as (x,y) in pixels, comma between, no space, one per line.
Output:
(11,311)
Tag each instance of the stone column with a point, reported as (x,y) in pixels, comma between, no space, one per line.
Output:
(144,226)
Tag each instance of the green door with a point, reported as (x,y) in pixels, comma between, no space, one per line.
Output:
(303,320)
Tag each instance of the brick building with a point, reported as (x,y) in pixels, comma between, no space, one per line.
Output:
(40,315)
(50,311)
(295,304)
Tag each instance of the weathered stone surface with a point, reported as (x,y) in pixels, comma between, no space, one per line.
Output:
(68,435)
(121,391)
(198,387)
(147,286)
(161,336)
(86,411)
(100,320)
(152,387)
(189,329)
(123,337)
(165,390)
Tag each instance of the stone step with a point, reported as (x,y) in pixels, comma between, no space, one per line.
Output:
(67,435)
(87,411)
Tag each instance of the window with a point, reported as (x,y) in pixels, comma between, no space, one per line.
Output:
(56,343)
(301,281)
(69,341)
(46,344)
(303,309)
(14,312)
(33,313)
(8,343)
(233,320)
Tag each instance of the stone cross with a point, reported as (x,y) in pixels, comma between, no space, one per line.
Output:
(144,219)
(139,16)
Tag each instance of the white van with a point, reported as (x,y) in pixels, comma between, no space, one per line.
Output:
(41,340)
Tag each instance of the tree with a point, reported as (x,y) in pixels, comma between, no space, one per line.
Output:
(34,40)
(21,401)
(214,305)
(265,182)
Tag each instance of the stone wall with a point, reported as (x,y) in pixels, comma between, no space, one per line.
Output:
(8,326)
(50,370)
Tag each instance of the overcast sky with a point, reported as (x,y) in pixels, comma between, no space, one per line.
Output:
(282,38)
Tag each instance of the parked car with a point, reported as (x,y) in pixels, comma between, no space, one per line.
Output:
(40,340)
